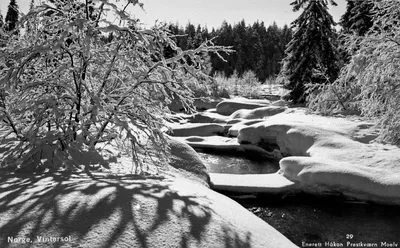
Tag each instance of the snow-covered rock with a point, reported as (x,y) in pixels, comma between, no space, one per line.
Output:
(227,107)
(280,103)
(257,113)
(125,211)
(235,127)
(207,117)
(253,183)
(325,154)
(185,159)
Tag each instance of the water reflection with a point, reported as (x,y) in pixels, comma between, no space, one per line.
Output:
(309,219)
(226,163)
(316,219)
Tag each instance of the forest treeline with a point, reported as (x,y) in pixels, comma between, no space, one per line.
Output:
(64,86)
(258,48)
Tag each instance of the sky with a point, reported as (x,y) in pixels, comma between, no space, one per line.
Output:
(210,13)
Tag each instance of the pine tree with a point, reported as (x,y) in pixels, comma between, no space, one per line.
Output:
(311,55)
(11,16)
(358,17)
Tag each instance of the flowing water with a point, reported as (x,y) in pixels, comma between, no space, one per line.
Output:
(225,163)
(306,219)
(313,221)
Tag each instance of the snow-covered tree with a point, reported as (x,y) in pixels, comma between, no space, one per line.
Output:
(370,83)
(358,16)
(67,89)
(33,23)
(311,55)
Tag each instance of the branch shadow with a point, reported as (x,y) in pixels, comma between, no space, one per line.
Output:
(105,211)
(16,156)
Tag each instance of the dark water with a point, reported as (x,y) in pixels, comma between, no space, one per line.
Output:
(225,163)
(312,219)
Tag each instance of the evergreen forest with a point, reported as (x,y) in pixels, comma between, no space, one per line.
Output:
(258,48)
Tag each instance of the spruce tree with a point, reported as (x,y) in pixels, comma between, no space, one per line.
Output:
(272,44)
(2,35)
(198,37)
(11,16)
(240,46)
(311,56)
(369,83)
(190,30)
(258,32)
(1,20)
(358,17)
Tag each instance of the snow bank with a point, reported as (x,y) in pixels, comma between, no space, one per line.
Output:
(227,107)
(126,211)
(328,154)
(257,113)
